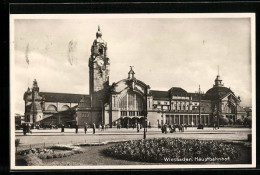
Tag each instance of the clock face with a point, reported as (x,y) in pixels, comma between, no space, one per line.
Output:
(100,62)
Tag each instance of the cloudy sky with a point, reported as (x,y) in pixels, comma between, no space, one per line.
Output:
(165,53)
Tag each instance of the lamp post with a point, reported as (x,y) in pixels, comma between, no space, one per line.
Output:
(145,113)
(199,93)
(102,115)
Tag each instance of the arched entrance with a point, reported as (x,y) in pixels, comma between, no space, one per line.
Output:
(131,108)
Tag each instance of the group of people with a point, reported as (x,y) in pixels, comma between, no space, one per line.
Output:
(172,128)
(101,127)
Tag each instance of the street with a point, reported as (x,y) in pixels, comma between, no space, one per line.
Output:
(54,136)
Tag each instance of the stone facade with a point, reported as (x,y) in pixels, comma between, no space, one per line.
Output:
(129,101)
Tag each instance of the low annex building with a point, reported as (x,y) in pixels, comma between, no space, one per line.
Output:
(128,101)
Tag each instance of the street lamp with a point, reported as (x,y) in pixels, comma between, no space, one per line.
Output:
(102,115)
(199,93)
(145,113)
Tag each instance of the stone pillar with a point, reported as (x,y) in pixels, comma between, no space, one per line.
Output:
(196,120)
(179,119)
(191,117)
(208,120)
(174,119)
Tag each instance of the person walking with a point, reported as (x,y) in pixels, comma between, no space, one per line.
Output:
(162,128)
(62,128)
(85,128)
(77,127)
(165,128)
(24,129)
(94,128)
(138,127)
(214,126)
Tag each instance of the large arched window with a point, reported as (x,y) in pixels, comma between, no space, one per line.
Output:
(51,108)
(131,101)
(65,107)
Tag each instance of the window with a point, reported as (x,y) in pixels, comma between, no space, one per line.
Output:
(65,107)
(165,103)
(51,108)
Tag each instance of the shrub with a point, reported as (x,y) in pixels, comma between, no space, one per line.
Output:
(62,147)
(77,151)
(223,120)
(248,121)
(239,121)
(49,156)
(42,156)
(155,150)
(55,155)
(60,155)
(32,160)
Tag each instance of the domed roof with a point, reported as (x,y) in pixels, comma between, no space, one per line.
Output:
(216,92)
(177,91)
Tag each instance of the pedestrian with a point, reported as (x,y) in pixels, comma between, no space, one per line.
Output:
(29,128)
(24,129)
(162,128)
(173,129)
(165,128)
(214,126)
(94,128)
(85,128)
(185,126)
(62,128)
(77,127)
(138,127)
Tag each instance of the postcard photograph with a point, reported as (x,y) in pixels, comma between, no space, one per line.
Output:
(132,91)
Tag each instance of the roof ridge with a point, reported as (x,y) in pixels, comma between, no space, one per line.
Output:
(159,90)
(64,93)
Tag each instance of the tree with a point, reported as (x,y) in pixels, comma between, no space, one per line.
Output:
(223,120)
(248,121)
(239,121)
(231,121)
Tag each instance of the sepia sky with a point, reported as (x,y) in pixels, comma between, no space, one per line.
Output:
(165,53)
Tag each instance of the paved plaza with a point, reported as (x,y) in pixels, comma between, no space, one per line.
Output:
(54,136)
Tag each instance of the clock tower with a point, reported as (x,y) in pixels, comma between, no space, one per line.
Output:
(99,68)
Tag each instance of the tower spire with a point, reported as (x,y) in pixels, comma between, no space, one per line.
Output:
(99,33)
(131,73)
(218,81)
